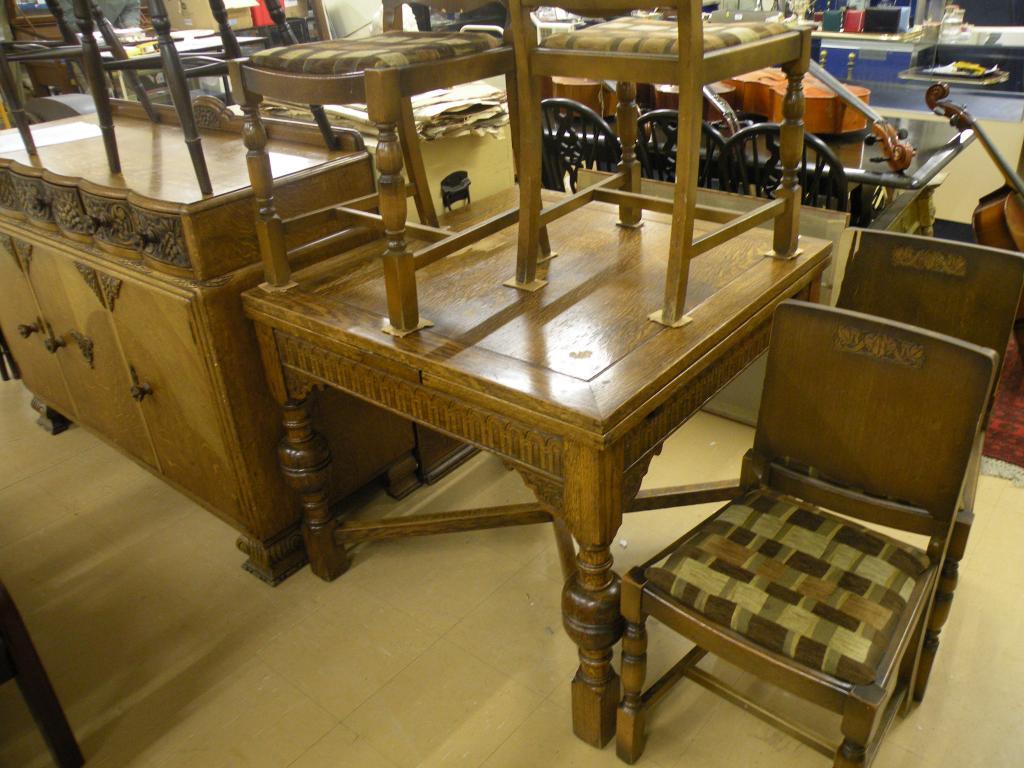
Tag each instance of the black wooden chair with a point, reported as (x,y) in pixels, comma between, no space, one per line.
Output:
(656,149)
(752,166)
(20,662)
(574,136)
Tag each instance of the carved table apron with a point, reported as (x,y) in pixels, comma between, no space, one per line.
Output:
(571,386)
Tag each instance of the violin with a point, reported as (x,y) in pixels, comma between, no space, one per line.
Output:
(999,218)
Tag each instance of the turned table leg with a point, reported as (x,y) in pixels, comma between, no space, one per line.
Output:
(590,598)
(305,461)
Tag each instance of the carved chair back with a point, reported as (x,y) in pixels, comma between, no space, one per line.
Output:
(752,165)
(657,133)
(966,291)
(868,417)
(574,137)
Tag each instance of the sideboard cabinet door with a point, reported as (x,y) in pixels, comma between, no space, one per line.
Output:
(166,358)
(25,328)
(79,300)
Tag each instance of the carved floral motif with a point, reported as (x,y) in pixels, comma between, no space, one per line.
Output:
(474,424)
(24,251)
(161,237)
(881,346)
(112,219)
(31,197)
(7,198)
(7,246)
(85,345)
(68,210)
(106,287)
(930,260)
(549,491)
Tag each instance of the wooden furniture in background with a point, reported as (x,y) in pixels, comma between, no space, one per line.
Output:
(683,52)
(120,304)
(19,660)
(964,291)
(574,137)
(813,603)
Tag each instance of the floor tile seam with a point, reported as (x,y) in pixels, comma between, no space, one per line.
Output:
(345,720)
(49,467)
(464,647)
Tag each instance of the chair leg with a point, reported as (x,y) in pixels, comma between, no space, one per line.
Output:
(529,242)
(305,461)
(12,96)
(511,89)
(331,141)
(631,722)
(786,239)
(93,66)
(399,269)
(942,602)
(626,116)
(859,715)
(1018,334)
(35,686)
(411,151)
(180,97)
(566,547)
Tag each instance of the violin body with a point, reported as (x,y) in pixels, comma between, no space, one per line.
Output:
(763,92)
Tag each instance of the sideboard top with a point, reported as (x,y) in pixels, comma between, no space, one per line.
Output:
(154,158)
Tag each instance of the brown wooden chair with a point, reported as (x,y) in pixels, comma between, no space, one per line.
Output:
(682,52)
(382,71)
(868,418)
(19,660)
(966,291)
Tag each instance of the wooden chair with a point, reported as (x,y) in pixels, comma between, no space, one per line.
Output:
(19,660)
(965,291)
(656,148)
(753,165)
(868,418)
(86,53)
(575,137)
(382,71)
(641,49)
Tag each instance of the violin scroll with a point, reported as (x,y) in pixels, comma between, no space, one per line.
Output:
(935,97)
(897,152)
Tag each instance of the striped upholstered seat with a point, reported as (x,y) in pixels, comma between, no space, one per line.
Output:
(657,38)
(391,49)
(798,581)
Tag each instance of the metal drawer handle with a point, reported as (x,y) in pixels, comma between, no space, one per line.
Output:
(53,343)
(140,389)
(27,330)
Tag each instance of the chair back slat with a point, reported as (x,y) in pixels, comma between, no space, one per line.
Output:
(966,291)
(879,407)
(573,137)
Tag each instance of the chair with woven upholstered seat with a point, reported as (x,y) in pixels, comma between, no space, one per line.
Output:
(682,52)
(383,71)
(779,584)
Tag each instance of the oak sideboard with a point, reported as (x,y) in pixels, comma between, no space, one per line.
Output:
(119,300)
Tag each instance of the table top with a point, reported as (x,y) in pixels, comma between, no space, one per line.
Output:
(936,142)
(577,355)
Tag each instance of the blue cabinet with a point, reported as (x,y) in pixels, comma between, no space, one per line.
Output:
(858,61)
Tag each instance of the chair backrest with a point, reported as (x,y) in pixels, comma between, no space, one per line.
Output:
(753,165)
(966,291)
(656,148)
(863,408)
(574,136)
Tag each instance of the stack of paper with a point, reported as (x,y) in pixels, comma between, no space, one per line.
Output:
(476,108)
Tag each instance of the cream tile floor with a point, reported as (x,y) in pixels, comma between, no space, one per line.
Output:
(444,651)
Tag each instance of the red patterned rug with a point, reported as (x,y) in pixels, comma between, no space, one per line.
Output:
(1004,438)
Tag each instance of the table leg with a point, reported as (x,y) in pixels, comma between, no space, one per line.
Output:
(590,599)
(926,212)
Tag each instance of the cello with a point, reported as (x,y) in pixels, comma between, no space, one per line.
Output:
(998,220)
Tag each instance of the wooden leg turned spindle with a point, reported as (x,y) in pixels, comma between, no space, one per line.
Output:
(631,726)
(791,144)
(626,115)
(93,66)
(399,269)
(305,461)
(12,95)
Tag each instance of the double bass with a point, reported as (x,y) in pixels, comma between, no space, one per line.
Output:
(998,219)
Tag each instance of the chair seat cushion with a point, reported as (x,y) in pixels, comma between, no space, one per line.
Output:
(658,38)
(796,580)
(391,49)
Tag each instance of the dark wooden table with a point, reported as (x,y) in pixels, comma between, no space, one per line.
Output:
(571,385)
